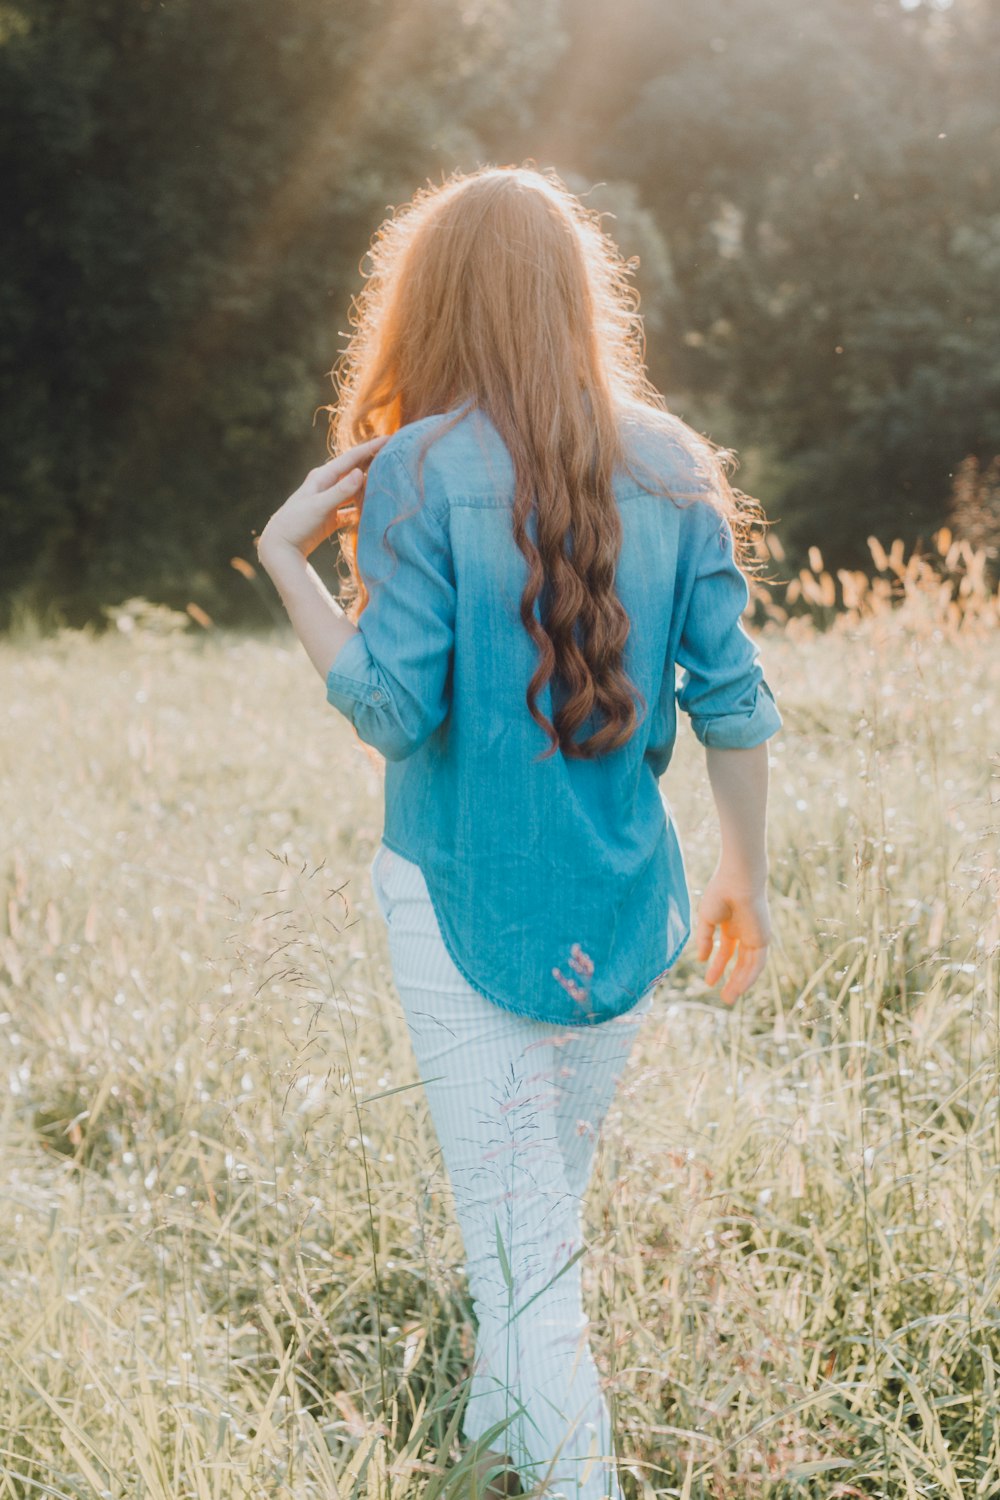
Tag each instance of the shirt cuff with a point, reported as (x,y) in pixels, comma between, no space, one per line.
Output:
(741,731)
(351,678)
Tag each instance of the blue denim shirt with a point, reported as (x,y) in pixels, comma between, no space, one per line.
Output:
(558,885)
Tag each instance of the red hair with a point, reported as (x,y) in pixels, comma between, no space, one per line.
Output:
(499,287)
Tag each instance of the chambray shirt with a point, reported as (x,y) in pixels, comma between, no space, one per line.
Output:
(558,885)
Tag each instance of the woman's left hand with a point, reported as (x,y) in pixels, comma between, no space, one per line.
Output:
(308,517)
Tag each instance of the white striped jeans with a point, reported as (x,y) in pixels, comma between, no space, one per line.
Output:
(517,1105)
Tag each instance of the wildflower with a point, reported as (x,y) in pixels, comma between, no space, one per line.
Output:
(583,964)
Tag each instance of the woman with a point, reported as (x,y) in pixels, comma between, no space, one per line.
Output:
(534,545)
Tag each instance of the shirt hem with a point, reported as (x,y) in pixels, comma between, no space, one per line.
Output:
(527,1010)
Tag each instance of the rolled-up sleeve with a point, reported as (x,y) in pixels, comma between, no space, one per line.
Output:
(722,686)
(392,679)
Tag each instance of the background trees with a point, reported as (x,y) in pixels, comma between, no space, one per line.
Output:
(191,187)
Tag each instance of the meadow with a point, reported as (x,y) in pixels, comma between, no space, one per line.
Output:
(229,1262)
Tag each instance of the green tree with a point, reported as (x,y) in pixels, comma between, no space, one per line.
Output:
(823,178)
(193,186)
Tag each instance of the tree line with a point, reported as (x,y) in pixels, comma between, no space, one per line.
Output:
(191,185)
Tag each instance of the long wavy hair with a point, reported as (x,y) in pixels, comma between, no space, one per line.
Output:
(499,289)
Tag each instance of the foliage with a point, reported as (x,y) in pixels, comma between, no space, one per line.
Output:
(193,186)
(190,187)
(825,178)
(947,589)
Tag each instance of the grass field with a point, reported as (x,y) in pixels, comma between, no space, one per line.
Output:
(229,1262)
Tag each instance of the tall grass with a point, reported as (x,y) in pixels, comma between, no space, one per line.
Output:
(230,1263)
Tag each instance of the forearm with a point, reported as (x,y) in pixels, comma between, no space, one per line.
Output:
(317,619)
(739,785)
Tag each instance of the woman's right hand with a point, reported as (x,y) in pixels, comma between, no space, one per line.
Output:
(744,927)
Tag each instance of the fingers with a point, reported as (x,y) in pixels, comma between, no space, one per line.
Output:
(721,956)
(362,453)
(340,468)
(749,966)
(749,963)
(703,937)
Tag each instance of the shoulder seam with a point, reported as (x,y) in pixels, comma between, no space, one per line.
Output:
(424,503)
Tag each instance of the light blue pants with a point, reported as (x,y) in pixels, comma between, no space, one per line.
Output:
(517,1105)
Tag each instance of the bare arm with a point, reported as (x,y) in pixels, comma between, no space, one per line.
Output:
(317,619)
(295,530)
(739,786)
(735,899)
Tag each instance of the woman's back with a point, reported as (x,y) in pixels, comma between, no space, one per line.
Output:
(524,856)
(512,651)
